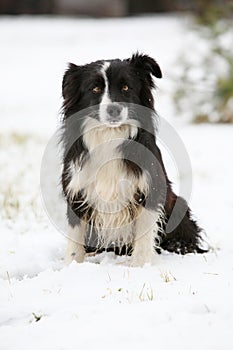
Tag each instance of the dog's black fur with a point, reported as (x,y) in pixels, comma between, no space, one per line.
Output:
(136,72)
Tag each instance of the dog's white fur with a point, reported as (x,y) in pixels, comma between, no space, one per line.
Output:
(106,100)
(108,190)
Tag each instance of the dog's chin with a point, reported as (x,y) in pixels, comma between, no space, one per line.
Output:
(114,124)
(111,124)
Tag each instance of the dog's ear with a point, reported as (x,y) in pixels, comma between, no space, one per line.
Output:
(146,63)
(71,81)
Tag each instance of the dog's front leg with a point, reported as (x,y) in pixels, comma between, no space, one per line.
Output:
(146,230)
(76,240)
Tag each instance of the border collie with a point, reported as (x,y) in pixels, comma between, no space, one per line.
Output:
(118,195)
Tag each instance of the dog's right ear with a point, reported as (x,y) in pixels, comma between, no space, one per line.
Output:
(71,81)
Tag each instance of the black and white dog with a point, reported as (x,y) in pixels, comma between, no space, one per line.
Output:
(118,194)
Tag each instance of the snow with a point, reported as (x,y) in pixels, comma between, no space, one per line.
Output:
(181,301)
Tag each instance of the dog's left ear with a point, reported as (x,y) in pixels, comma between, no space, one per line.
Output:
(146,63)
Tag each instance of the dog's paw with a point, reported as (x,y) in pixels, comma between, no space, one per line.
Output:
(137,263)
(77,256)
(131,262)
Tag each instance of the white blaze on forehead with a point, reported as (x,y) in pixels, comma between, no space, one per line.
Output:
(106,98)
(104,68)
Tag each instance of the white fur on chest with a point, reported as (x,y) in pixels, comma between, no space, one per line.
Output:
(106,184)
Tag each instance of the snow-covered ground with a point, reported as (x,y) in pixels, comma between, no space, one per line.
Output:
(182,301)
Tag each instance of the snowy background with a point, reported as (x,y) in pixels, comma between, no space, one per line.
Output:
(182,301)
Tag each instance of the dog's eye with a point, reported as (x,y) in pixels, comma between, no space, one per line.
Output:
(96,90)
(125,88)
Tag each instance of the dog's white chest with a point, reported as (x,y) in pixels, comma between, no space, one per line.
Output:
(103,179)
(107,186)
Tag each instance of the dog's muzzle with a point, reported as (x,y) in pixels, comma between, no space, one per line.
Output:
(114,115)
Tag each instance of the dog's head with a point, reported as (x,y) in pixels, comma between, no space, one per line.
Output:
(111,85)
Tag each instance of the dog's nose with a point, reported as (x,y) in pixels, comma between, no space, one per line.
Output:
(114,111)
